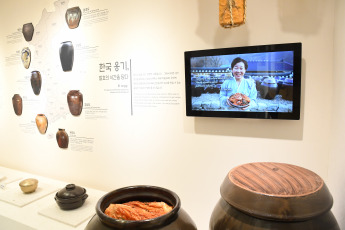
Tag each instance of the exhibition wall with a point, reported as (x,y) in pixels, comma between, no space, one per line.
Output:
(336,166)
(129,66)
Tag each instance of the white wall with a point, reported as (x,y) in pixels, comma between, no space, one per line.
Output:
(163,147)
(337,157)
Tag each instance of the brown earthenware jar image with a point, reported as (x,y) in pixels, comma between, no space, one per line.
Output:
(17,102)
(28,31)
(36,82)
(75,102)
(271,196)
(26,57)
(73,16)
(269,88)
(62,139)
(42,123)
(67,56)
(177,218)
(287,89)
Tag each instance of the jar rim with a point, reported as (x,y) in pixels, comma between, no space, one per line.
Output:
(141,193)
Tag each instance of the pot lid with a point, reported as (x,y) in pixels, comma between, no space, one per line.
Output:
(71,191)
(270,81)
(276,191)
(289,80)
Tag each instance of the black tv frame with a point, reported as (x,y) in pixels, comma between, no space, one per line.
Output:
(297,62)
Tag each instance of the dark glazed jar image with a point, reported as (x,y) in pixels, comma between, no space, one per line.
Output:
(36,82)
(62,139)
(28,31)
(73,16)
(41,123)
(273,196)
(17,102)
(75,102)
(67,55)
(176,219)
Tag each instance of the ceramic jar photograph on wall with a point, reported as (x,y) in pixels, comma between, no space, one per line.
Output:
(17,102)
(75,102)
(270,196)
(42,123)
(73,16)
(26,57)
(176,218)
(67,55)
(62,138)
(28,31)
(36,82)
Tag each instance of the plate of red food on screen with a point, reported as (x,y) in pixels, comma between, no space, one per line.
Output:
(238,100)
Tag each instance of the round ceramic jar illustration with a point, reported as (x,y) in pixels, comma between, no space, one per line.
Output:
(67,55)
(26,57)
(36,82)
(75,102)
(28,31)
(73,16)
(17,102)
(271,196)
(62,138)
(177,218)
(42,123)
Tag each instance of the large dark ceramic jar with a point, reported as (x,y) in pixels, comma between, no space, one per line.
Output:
(269,88)
(28,31)
(26,57)
(258,80)
(75,102)
(71,197)
(36,82)
(62,139)
(176,219)
(273,196)
(73,16)
(287,89)
(41,123)
(67,55)
(17,102)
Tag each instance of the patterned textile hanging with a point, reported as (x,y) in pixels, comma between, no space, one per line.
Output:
(232,13)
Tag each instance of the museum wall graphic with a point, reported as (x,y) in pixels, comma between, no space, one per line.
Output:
(93,93)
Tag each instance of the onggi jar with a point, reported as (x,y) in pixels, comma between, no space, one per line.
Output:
(176,219)
(267,196)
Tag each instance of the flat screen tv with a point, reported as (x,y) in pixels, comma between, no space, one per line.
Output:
(245,82)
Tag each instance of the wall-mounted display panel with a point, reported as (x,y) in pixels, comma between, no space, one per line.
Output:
(245,82)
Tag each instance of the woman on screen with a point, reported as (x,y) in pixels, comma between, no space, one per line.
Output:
(238,84)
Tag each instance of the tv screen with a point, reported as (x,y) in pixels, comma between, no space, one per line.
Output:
(244,82)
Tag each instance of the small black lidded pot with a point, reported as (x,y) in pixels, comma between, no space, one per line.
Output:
(71,197)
